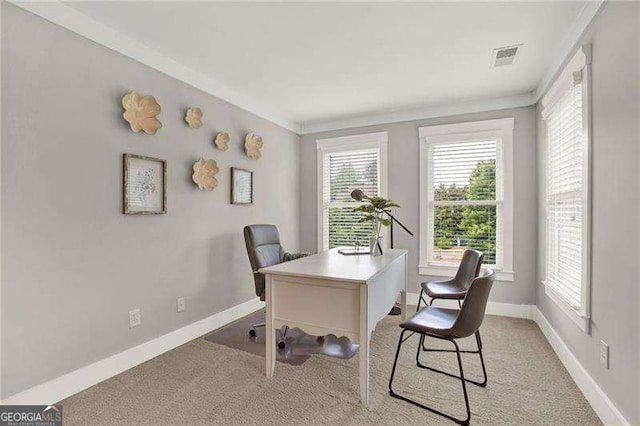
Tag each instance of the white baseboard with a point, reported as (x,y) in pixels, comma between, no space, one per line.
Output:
(64,386)
(85,377)
(601,404)
(493,308)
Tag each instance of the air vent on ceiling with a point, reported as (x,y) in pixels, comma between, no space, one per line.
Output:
(505,55)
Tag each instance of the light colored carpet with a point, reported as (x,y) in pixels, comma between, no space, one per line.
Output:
(206,383)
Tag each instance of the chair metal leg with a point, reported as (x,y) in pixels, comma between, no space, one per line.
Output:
(424,347)
(484,370)
(418,404)
(421,346)
(421,299)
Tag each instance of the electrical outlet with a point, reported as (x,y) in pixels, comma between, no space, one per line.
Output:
(180,304)
(135,318)
(604,354)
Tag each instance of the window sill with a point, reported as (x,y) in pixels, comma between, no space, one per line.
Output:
(580,320)
(450,271)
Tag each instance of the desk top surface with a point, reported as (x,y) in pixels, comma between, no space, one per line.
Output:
(334,266)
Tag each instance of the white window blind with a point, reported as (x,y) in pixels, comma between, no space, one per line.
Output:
(342,173)
(465,202)
(565,192)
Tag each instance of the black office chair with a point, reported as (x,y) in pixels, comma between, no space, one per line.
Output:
(264,249)
(448,324)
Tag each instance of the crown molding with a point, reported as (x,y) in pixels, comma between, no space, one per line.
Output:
(69,18)
(65,16)
(569,45)
(525,99)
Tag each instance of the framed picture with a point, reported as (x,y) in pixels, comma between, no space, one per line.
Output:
(145,184)
(241,186)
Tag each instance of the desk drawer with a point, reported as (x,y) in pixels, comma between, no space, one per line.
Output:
(317,305)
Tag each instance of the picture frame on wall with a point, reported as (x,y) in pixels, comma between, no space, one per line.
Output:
(144,185)
(241,186)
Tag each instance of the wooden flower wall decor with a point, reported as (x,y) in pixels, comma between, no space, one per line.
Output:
(222,141)
(204,174)
(252,145)
(194,117)
(140,112)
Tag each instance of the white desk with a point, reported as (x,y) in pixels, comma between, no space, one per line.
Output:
(329,293)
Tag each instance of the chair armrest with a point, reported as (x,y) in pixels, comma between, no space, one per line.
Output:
(293,256)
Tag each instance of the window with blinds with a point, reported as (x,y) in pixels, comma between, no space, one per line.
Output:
(344,171)
(464,200)
(565,192)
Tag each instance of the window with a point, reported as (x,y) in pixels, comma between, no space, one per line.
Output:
(345,164)
(466,198)
(565,114)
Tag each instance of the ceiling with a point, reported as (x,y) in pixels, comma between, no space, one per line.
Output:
(315,63)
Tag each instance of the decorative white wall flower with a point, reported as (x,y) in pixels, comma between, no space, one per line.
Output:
(140,112)
(252,145)
(204,174)
(194,117)
(222,140)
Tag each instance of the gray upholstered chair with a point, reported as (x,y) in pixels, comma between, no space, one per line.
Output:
(448,324)
(264,249)
(455,288)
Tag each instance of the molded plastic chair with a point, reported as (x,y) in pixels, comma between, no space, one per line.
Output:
(455,288)
(449,324)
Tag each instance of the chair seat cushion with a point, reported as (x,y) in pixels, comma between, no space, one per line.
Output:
(444,289)
(432,320)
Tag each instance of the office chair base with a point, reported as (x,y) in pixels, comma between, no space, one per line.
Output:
(281,343)
(252,330)
(393,394)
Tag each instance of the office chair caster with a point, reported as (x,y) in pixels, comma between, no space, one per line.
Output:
(281,344)
(252,332)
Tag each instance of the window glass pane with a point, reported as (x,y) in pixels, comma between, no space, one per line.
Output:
(457,228)
(345,229)
(464,171)
(351,170)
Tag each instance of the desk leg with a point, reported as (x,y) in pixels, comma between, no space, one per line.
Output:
(364,345)
(270,345)
(403,293)
(364,370)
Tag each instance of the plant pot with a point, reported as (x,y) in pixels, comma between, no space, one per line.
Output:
(375,245)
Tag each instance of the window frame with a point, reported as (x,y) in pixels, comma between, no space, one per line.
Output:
(500,130)
(344,144)
(580,62)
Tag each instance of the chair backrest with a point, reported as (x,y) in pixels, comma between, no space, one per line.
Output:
(264,249)
(469,267)
(475,303)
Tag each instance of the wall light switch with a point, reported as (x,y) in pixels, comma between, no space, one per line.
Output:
(180,304)
(604,354)
(135,318)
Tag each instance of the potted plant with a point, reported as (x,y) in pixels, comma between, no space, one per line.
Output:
(375,209)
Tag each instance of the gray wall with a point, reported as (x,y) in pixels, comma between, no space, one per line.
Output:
(73,265)
(615,231)
(403,167)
